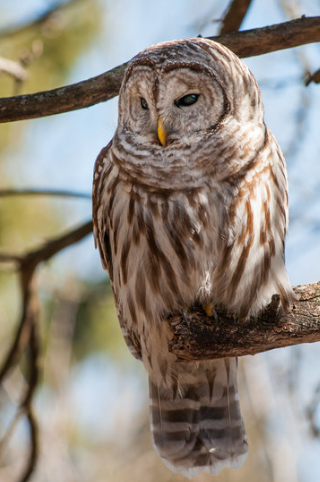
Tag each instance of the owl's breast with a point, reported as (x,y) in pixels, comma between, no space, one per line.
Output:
(163,248)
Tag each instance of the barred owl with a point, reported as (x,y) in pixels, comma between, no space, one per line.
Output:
(190,206)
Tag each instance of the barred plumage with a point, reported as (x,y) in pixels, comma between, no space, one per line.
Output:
(190,206)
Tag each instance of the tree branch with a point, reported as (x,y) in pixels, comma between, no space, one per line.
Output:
(27,265)
(315,77)
(26,338)
(33,361)
(63,99)
(247,43)
(235,14)
(44,192)
(53,246)
(201,337)
(13,68)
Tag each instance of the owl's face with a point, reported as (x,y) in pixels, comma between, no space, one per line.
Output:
(185,94)
(178,103)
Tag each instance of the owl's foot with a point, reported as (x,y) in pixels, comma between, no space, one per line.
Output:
(210,311)
(274,308)
(184,315)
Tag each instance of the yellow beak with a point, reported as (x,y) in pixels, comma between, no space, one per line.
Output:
(162,135)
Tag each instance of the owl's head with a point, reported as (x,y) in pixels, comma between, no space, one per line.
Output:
(182,91)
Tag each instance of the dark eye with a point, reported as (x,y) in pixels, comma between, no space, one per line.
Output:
(186,100)
(144,104)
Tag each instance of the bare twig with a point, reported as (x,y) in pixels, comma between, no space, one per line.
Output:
(247,43)
(234,17)
(315,77)
(27,332)
(27,265)
(53,246)
(27,336)
(22,336)
(33,358)
(205,338)
(9,258)
(14,69)
(44,192)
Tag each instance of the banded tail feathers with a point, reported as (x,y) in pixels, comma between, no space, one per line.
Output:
(196,424)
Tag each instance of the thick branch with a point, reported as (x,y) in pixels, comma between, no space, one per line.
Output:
(259,41)
(64,99)
(200,337)
(247,43)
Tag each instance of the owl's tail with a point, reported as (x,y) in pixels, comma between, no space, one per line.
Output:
(196,423)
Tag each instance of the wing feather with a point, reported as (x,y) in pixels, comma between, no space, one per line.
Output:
(101,231)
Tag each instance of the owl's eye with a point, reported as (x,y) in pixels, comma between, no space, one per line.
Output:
(144,103)
(186,100)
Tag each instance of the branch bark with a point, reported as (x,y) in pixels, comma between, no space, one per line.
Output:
(247,43)
(200,337)
(234,17)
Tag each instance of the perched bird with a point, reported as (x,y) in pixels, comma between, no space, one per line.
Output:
(190,206)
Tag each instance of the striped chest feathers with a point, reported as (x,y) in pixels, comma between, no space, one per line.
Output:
(163,249)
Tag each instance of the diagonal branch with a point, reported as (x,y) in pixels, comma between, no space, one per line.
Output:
(234,17)
(206,338)
(247,43)
(52,247)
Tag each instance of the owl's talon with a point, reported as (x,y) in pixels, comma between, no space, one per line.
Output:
(184,315)
(210,311)
(274,308)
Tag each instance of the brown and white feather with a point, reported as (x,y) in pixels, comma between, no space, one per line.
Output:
(201,220)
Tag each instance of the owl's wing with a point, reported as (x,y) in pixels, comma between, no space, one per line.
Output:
(100,224)
(101,233)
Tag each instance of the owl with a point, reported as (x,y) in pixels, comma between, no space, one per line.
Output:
(190,206)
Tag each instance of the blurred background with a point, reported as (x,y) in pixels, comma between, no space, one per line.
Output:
(92,399)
